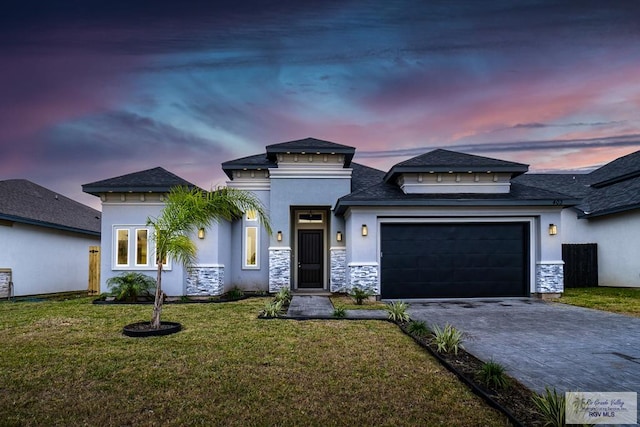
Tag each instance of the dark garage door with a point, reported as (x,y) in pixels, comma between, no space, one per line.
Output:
(454,260)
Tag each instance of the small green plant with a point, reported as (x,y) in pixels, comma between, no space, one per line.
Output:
(129,286)
(397,311)
(235,293)
(552,407)
(418,329)
(283,295)
(492,374)
(339,312)
(272,309)
(447,339)
(360,294)
(184,298)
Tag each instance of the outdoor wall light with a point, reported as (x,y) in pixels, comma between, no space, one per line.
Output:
(201,233)
(365,230)
(279,236)
(553,229)
(339,236)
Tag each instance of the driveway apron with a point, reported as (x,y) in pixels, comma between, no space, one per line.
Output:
(546,344)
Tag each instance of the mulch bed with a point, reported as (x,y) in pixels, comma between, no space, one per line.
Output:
(515,400)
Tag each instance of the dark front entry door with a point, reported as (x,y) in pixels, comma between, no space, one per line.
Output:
(310,258)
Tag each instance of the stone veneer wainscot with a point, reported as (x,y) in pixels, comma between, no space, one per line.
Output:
(550,277)
(205,280)
(364,276)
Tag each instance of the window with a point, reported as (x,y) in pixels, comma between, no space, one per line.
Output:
(134,248)
(122,247)
(252,215)
(251,247)
(142,247)
(310,218)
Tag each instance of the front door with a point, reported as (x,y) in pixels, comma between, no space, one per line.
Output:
(310,259)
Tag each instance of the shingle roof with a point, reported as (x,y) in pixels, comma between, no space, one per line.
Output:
(311,145)
(450,161)
(620,169)
(364,176)
(256,162)
(613,188)
(156,180)
(388,194)
(26,202)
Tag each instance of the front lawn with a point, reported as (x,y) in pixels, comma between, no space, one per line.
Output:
(66,363)
(617,300)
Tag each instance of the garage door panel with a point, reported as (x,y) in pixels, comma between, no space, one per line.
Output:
(454,260)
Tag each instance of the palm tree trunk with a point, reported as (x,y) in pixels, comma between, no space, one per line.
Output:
(157,305)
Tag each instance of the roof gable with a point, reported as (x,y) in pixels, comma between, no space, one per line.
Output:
(446,161)
(311,146)
(256,162)
(26,202)
(156,180)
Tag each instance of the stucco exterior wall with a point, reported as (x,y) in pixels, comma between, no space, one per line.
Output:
(133,211)
(618,246)
(45,260)
(249,279)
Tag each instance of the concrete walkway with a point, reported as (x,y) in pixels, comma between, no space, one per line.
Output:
(319,307)
(540,343)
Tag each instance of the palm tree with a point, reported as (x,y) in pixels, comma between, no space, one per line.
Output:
(185,211)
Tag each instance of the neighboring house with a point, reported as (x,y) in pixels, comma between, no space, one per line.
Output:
(608,215)
(44,240)
(443,224)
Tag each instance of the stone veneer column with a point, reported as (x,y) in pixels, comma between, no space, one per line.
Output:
(279,268)
(205,280)
(338,278)
(550,277)
(364,276)
(5,279)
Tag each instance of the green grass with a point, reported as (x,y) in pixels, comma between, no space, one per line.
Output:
(617,300)
(349,303)
(67,363)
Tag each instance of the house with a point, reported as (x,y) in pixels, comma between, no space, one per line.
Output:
(608,214)
(45,239)
(443,224)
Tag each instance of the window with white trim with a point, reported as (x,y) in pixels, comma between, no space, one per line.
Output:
(142,246)
(134,248)
(122,247)
(250,256)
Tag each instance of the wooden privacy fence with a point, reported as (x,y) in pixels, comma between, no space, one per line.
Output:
(94,270)
(580,265)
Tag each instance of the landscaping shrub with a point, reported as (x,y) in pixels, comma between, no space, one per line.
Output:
(552,407)
(129,286)
(339,312)
(272,309)
(397,311)
(447,339)
(283,295)
(492,374)
(418,329)
(359,295)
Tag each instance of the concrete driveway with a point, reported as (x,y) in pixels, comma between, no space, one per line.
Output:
(546,344)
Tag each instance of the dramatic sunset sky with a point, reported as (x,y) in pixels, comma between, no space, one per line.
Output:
(95,89)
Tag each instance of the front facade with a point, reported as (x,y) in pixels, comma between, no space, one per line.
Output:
(46,239)
(441,225)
